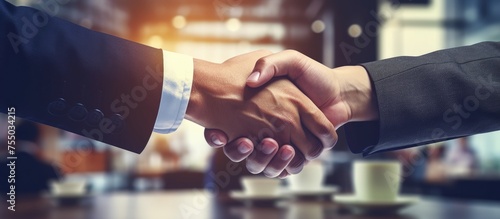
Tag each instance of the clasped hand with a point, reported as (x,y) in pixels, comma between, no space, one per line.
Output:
(267,120)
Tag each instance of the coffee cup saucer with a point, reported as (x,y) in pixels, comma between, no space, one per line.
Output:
(325,190)
(355,204)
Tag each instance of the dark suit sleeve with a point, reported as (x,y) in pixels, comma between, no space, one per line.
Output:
(89,83)
(435,97)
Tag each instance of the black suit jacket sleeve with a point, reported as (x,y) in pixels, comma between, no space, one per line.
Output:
(442,95)
(60,74)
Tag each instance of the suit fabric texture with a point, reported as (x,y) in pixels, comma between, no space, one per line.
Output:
(442,95)
(89,83)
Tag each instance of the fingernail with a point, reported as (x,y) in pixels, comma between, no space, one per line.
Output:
(267,148)
(216,140)
(252,169)
(254,77)
(244,148)
(286,154)
(269,174)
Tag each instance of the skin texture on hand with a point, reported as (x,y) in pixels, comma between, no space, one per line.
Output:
(343,94)
(317,81)
(221,100)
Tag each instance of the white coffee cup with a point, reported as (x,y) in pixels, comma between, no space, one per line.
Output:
(309,179)
(260,186)
(376,180)
(73,187)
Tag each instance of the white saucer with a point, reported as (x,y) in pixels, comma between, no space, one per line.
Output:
(241,195)
(353,203)
(326,190)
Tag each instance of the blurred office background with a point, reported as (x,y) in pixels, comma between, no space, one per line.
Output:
(340,32)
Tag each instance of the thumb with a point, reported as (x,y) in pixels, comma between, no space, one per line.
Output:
(285,63)
(215,138)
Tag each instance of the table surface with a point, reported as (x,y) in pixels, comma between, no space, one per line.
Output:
(200,204)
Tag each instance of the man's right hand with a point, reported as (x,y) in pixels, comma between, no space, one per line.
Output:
(343,94)
(220,99)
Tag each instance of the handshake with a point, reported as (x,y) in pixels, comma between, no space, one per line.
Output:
(277,111)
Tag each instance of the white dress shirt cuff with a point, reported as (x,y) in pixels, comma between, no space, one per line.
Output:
(177,82)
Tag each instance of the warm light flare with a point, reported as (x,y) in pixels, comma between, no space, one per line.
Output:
(155,41)
(179,22)
(318,26)
(233,24)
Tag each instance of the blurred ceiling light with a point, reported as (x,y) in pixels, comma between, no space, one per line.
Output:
(155,41)
(179,22)
(233,24)
(250,31)
(354,30)
(318,26)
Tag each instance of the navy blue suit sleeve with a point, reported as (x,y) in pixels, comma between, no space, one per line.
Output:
(435,97)
(89,83)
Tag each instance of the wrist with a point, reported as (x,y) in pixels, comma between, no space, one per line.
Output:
(358,93)
(212,90)
(194,111)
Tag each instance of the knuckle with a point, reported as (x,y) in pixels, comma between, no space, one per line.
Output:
(325,128)
(332,142)
(329,140)
(267,63)
(288,121)
(314,152)
(296,164)
(292,52)
(295,170)
(262,62)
